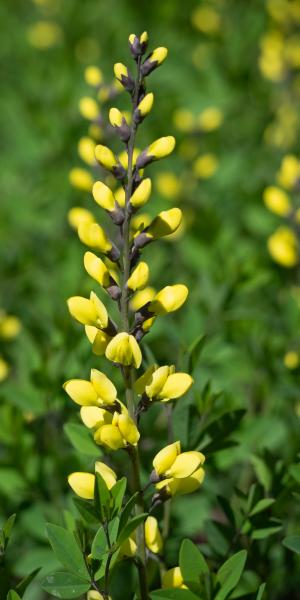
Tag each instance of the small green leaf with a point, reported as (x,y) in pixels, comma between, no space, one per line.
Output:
(126,512)
(117,493)
(173,594)
(66,550)
(81,439)
(292,542)
(12,595)
(65,585)
(261,506)
(262,472)
(261,534)
(130,527)
(26,581)
(86,510)
(194,352)
(100,542)
(260,592)
(7,528)
(229,574)
(102,497)
(192,563)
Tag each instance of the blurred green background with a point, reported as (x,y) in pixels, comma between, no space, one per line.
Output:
(220,57)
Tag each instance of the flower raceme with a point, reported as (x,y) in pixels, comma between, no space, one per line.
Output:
(177,472)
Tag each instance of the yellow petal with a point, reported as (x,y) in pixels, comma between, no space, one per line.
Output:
(110,436)
(152,535)
(185,464)
(142,193)
(82,484)
(172,578)
(96,268)
(157,381)
(124,349)
(161,147)
(93,416)
(128,429)
(81,391)
(103,196)
(83,310)
(175,386)
(138,277)
(165,457)
(106,473)
(141,382)
(170,298)
(165,223)
(188,485)
(105,389)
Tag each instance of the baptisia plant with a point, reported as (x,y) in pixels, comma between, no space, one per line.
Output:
(128,531)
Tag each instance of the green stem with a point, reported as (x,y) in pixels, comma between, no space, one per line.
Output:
(127,371)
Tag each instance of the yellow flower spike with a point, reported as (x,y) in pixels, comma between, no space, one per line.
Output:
(81,179)
(210,119)
(82,484)
(105,157)
(99,339)
(282,246)
(91,234)
(128,429)
(89,108)
(93,76)
(145,105)
(165,457)
(177,384)
(173,579)
(124,349)
(96,268)
(188,485)
(120,196)
(205,166)
(104,387)
(82,392)
(115,117)
(169,299)
(185,464)
(86,150)
(141,382)
(138,277)
(78,215)
(157,381)
(165,223)
(277,201)
(103,196)
(109,436)
(142,193)
(94,417)
(153,537)
(141,298)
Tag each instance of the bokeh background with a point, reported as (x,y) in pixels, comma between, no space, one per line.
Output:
(230,93)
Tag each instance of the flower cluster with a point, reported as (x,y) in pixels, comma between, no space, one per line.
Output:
(114,263)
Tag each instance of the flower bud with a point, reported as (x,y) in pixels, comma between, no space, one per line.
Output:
(103,196)
(173,579)
(143,107)
(86,150)
(91,234)
(78,215)
(289,172)
(105,157)
(141,298)
(210,119)
(93,76)
(153,61)
(138,277)
(94,595)
(124,349)
(169,299)
(165,458)
(118,121)
(138,45)
(158,149)
(89,108)
(123,76)
(88,311)
(153,537)
(81,179)
(165,223)
(277,201)
(142,193)
(82,484)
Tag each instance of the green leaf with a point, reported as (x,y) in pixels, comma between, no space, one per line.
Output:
(173,594)
(12,595)
(261,534)
(292,542)
(117,493)
(262,472)
(126,512)
(87,510)
(100,543)
(261,506)
(26,581)
(260,592)
(102,497)
(192,563)
(130,527)
(66,550)
(7,528)
(65,585)
(81,439)
(229,574)
(220,429)
(194,352)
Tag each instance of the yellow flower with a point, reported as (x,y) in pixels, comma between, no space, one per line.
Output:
(168,185)
(289,171)
(10,326)
(120,432)
(138,277)
(282,245)
(277,201)
(88,311)
(120,196)
(173,579)
(153,537)
(83,483)
(162,383)
(178,472)
(120,71)
(184,120)
(291,360)
(128,548)
(141,298)
(91,234)
(98,338)
(158,55)
(124,349)
(127,428)
(44,34)
(116,117)
(78,215)
(168,299)
(96,268)
(89,108)
(206,19)
(209,119)
(205,166)
(105,157)
(109,436)
(94,595)
(161,147)
(166,457)
(93,75)
(95,417)
(142,193)
(165,223)
(86,150)
(81,179)
(99,391)
(103,196)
